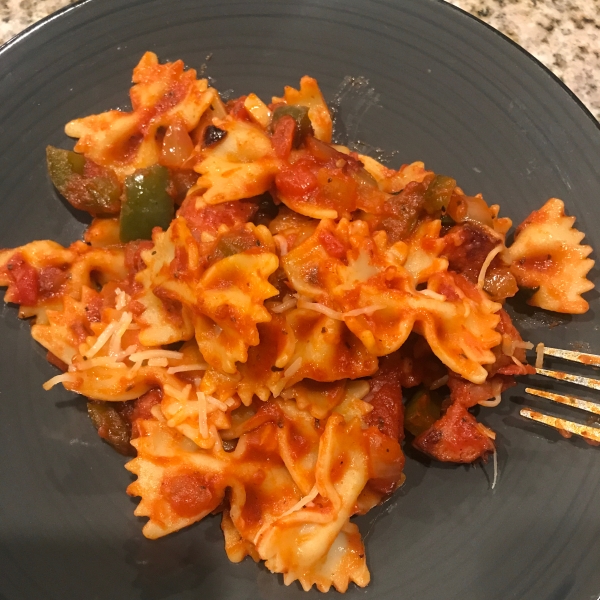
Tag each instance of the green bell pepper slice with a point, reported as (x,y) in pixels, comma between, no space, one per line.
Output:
(147,204)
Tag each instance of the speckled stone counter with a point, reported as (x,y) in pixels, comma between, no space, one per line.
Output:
(562,34)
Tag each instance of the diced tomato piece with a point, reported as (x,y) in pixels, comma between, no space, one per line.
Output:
(299,180)
(190,494)
(133,258)
(25,280)
(332,245)
(455,437)
(237,109)
(51,281)
(283,136)
(209,218)
(386,398)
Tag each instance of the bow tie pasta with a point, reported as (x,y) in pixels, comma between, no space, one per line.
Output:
(251,303)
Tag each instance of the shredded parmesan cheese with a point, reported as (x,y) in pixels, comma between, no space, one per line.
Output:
(495,469)
(181,395)
(517,361)
(486,431)
(99,361)
(438,383)
(539,359)
(491,403)
(217,403)
(334,314)
(134,369)
(102,339)
(486,263)
(62,378)
(293,368)
(367,310)
(158,362)
(202,417)
(433,295)
(184,368)
(156,412)
(147,354)
(282,243)
(121,299)
(524,345)
(288,302)
(298,506)
(321,308)
(115,341)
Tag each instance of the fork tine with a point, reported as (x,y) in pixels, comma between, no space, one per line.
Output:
(567,400)
(584,381)
(580,357)
(585,431)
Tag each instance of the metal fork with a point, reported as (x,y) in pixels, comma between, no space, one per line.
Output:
(589,433)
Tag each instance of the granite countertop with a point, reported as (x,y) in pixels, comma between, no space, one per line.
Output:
(562,34)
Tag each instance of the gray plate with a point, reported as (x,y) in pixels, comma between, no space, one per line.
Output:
(452,92)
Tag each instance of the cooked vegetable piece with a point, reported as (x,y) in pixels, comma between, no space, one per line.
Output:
(233,242)
(212,135)
(469,208)
(300,116)
(439,193)
(267,210)
(147,204)
(85,185)
(420,413)
(112,426)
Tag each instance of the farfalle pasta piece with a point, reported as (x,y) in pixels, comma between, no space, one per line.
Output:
(261,373)
(178,483)
(391,181)
(547,255)
(230,301)
(242,165)
(325,350)
(162,95)
(163,318)
(309,95)
(298,544)
(62,330)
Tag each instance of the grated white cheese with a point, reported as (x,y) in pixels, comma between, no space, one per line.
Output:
(433,295)
(114,348)
(517,361)
(282,243)
(181,395)
(495,469)
(293,368)
(539,359)
(147,354)
(157,413)
(102,339)
(99,361)
(491,403)
(202,417)
(486,263)
(287,303)
(158,362)
(184,368)
(121,299)
(62,378)
(321,308)
(298,506)
(438,383)
(217,403)
(367,310)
